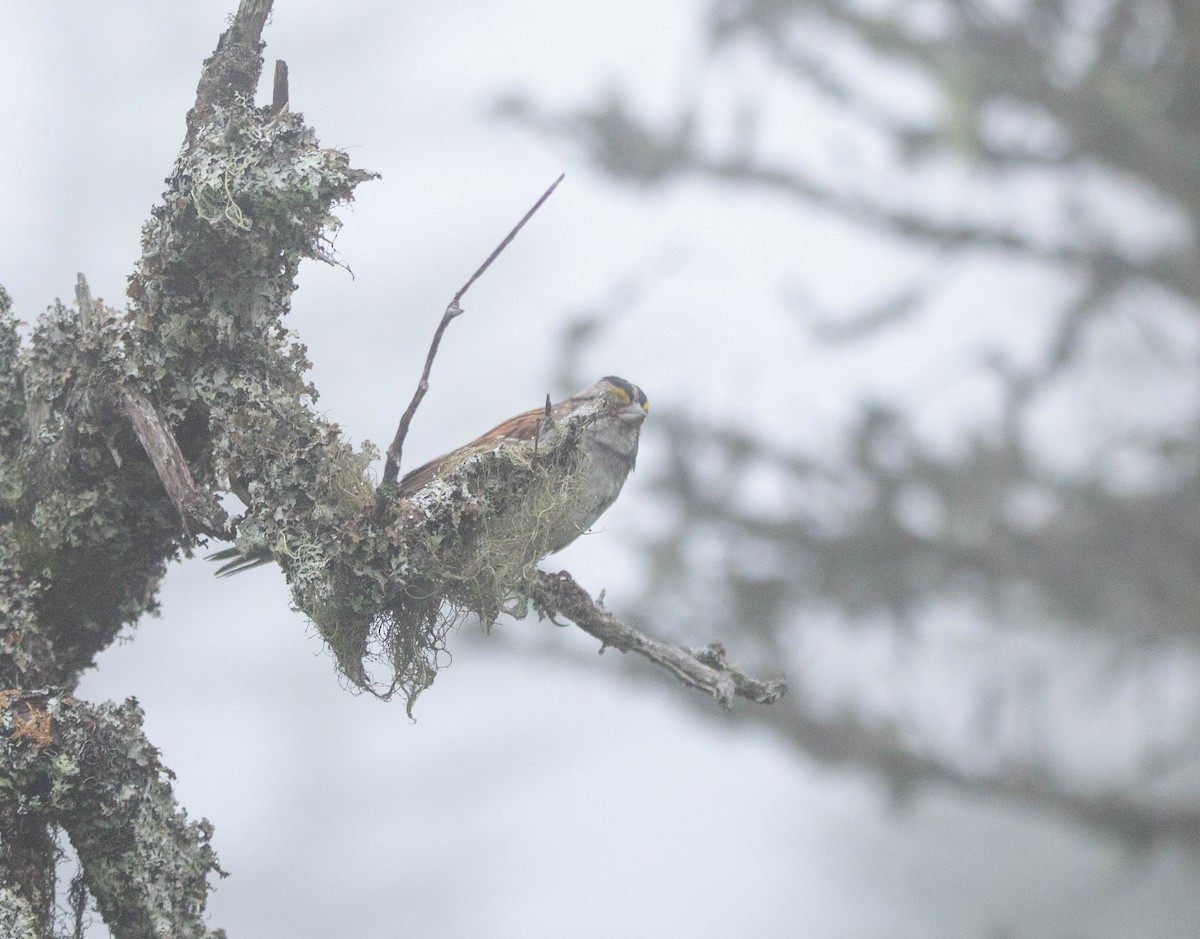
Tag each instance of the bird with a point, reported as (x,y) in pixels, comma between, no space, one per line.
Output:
(607,418)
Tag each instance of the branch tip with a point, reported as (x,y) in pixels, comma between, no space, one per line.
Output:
(705,669)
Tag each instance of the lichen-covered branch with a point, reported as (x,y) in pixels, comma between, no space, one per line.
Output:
(199,510)
(705,669)
(119,430)
(91,771)
(109,466)
(233,70)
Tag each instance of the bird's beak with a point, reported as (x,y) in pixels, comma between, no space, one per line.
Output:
(633,413)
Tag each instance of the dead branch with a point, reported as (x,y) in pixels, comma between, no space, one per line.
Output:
(232,71)
(279,92)
(199,509)
(704,669)
(391,469)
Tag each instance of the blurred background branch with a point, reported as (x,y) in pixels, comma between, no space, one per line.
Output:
(961,615)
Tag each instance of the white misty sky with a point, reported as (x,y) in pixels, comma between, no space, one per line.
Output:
(531,798)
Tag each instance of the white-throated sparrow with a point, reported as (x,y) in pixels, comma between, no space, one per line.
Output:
(607,416)
(605,419)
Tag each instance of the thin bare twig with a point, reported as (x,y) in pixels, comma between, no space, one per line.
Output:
(704,669)
(391,468)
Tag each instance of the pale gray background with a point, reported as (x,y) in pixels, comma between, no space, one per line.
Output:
(531,798)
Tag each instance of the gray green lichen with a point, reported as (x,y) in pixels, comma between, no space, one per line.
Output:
(87,529)
(94,774)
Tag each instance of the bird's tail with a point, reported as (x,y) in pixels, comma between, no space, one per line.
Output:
(235,561)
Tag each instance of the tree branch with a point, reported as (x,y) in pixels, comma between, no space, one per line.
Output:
(846,741)
(199,509)
(625,147)
(279,92)
(232,71)
(91,770)
(391,468)
(704,669)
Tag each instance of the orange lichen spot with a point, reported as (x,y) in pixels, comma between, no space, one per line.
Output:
(29,721)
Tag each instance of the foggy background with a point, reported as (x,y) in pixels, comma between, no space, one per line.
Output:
(912,288)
